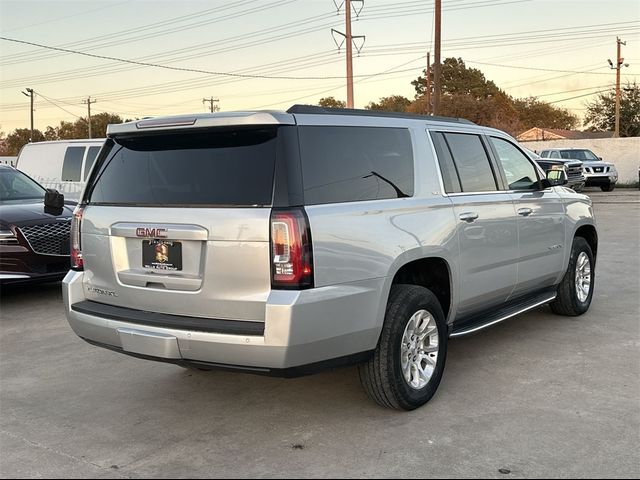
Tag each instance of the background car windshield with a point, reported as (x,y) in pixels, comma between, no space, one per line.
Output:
(584,155)
(15,185)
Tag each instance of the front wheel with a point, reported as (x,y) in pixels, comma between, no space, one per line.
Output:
(407,365)
(608,188)
(576,289)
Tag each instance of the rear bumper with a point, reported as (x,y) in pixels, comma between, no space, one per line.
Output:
(302,329)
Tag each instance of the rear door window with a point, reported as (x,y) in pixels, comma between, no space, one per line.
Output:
(72,164)
(350,164)
(472,162)
(90,160)
(213,168)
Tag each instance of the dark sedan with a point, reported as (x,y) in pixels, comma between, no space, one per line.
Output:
(34,238)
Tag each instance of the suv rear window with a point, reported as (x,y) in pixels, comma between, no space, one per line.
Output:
(350,164)
(223,168)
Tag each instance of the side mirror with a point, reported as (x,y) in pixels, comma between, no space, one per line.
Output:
(555,177)
(53,202)
(53,199)
(600,158)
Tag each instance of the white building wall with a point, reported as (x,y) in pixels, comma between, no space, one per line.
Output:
(624,153)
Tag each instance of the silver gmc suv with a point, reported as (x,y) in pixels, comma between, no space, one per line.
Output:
(285,242)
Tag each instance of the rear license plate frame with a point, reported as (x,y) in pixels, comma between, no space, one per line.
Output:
(164,255)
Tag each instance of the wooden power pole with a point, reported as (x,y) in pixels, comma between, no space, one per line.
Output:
(348,40)
(88,103)
(428,92)
(437,69)
(211,101)
(619,64)
(30,93)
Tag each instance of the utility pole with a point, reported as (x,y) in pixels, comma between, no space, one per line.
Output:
(30,93)
(348,39)
(437,75)
(88,103)
(428,83)
(619,64)
(210,101)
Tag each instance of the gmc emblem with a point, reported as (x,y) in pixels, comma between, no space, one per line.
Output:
(151,232)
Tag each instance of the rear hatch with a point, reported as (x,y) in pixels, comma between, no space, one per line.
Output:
(177,222)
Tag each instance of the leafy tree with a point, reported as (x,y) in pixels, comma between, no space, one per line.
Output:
(601,113)
(535,113)
(20,137)
(80,128)
(457,78)
(3,143)
(394,103)
(330,102)
(51,133)
(466,93)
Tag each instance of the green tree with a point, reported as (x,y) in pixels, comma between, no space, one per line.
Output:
(458,79)
(601,113)
(394,103)
(80,128)
(466,93)
(330,102)
(20,137)
(536,113)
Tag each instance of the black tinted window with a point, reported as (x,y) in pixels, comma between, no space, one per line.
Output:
(72,164)
(348,164)
(206,168)
(91,158)
(472,162)
(447,167)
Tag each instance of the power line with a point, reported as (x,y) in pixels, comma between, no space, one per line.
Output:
(538,69)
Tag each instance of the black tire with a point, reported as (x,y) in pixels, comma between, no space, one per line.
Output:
(608,188)
(382,376)
(567,301)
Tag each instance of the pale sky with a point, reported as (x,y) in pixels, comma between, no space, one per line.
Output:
(556,50)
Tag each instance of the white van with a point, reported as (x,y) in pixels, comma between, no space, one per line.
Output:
(62,164)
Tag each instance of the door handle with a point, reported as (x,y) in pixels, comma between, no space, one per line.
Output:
(468,217)
(525,212)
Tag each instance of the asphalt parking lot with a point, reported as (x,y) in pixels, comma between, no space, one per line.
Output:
(537,396)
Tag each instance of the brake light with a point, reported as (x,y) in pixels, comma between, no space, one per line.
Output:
(291,252)
(77,263)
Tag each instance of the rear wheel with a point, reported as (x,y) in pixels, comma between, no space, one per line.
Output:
(407,365)
(608,188)
(576,289)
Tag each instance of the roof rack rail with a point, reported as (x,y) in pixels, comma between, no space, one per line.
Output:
(316,110)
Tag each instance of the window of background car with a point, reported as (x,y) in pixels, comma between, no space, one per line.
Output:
(349,164)
(447,167)
(15,185)
(224,168)
(554,155)
(72,164)
(520,172)
(90,160)
(584,155)
(472,162)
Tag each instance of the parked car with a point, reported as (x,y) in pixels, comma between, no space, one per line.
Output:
(286,242)
(573,168)
(34,234)
(63,165)
(597,172)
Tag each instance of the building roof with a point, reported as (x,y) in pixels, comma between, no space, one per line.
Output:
(538,134)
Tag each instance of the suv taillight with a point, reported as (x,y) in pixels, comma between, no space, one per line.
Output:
(77,263)
(291,251)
